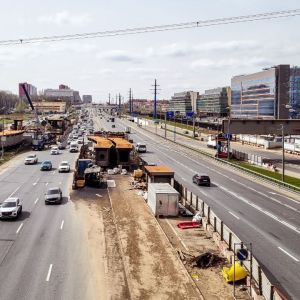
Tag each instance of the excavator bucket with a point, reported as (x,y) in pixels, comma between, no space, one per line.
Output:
(240,273)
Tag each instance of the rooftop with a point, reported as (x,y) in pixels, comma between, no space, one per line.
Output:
(159,170)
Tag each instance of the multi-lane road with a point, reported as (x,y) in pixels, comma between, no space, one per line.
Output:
(262,215)
(42,254)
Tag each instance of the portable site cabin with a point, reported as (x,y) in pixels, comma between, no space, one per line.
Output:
(163,199)
(159,174)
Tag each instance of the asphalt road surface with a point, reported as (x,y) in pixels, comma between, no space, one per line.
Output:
(266,217)
(41,254)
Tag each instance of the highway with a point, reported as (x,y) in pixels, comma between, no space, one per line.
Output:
(262,215)
(42,254)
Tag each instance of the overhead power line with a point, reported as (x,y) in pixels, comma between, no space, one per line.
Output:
(159,28)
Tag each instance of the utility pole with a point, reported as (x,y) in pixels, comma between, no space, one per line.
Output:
(129,102)
(132,107)
(165,125)
(119,104)
(109,99)
(155,90)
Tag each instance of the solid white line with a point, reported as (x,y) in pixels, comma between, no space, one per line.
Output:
(203,193)
(291,207)
(14,191)
(290,255)
(234,215)
(36,200)
(49,273)
(20,227)
(62,224)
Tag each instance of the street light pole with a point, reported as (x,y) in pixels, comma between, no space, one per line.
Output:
(228,135)
(283,153)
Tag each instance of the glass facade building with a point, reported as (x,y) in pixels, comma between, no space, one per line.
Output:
(262,95)
(294,102)
(181,103)
(214,102)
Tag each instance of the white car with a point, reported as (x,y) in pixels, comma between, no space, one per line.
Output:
(80,140)
(64,166)
(54,150)
(10,208)
(31,159)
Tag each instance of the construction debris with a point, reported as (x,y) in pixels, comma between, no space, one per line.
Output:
(207,260)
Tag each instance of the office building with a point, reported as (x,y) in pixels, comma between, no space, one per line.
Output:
(50,106)
(214,102)
(31,90)
(87,98)
(262,95)
(294,103)
(181,103)
(63,93)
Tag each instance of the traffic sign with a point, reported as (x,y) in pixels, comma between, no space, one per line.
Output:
(190,114)
(242,254)
(170,114)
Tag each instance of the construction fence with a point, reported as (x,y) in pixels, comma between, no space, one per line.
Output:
(263,286)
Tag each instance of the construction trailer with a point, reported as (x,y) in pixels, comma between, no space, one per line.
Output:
(163,199)
(159,174)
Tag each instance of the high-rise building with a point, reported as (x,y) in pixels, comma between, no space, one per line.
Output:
(262,95)
(214,102)
(31,90)
(181,103)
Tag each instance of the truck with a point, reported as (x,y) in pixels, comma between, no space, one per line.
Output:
(74,147)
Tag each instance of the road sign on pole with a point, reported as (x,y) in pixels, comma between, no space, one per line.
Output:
(242,254)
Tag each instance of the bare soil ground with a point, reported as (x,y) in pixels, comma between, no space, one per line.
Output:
(195,242)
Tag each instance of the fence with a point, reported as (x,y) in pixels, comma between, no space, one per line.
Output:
(194,203)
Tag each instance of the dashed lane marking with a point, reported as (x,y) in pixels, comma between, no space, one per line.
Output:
(20,227)
(49,272)
(288,254)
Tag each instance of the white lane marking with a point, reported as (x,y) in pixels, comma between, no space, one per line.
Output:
(204,193)
(14,191)
(60,182)
(261,209)
(20,227)
(98,195)
(272,193)
(47,183)
(49,272)
(288,254)
(291,207)
(62,224)
(53,172)
(35,183)
(234,215)
(36,200)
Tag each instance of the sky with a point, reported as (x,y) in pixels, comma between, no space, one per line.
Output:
(193,59)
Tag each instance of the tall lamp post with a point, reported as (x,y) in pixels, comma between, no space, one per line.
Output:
(228,133)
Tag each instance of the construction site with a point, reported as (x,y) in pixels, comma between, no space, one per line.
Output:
(147,250)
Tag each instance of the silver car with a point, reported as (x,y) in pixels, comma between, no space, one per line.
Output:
(53,195)
(10,208)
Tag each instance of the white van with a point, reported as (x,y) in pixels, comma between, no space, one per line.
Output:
(141,148)
(74,147)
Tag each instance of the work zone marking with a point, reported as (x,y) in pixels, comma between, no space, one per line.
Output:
(260,209)
(288,254)
(233,215)
(49,272)
(62,224)
(19,228)
(36,200)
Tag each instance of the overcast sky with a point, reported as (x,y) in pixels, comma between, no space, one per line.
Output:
(192,59)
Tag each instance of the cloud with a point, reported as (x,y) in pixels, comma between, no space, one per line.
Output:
(230,63)
(119,56)
(66,18)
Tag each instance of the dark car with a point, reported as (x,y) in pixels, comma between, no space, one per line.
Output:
(53,195)
(46,165)
(201,180)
